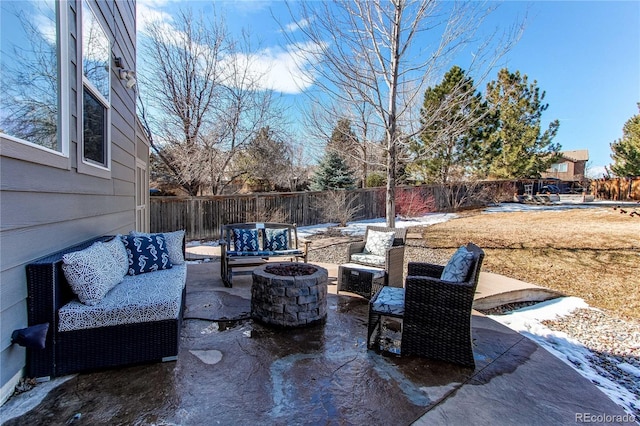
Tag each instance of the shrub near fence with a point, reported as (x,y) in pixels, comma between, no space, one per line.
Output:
(202,217)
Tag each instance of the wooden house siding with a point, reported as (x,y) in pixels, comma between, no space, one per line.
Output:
(46,207)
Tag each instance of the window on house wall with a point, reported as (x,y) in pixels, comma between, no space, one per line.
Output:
(96,106)
(560,168)
(32,62)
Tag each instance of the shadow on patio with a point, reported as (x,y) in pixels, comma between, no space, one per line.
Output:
(231,370)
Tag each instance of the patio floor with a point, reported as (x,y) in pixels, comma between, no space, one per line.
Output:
(231,370)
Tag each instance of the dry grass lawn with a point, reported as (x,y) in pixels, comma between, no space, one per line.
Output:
(590,253)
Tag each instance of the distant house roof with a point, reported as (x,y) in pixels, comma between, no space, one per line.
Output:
(576,155)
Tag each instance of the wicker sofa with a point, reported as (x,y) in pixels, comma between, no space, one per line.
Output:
(125,328)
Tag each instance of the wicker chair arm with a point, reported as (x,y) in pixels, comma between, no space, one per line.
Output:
(355,247)
(421,291)
(394,265)
(424,269)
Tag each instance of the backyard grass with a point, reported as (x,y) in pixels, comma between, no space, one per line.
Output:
(590,253)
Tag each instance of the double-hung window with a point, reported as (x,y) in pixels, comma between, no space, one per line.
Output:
(34,79)
(96,105)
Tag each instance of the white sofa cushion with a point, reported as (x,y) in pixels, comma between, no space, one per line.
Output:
(91,272)
(119,253)
(154,296)
(369,259)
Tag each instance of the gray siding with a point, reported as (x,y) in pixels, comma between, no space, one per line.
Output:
(44,208)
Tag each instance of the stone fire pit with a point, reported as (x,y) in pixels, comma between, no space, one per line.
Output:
(289,294)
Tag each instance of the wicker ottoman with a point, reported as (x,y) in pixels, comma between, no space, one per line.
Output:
(360,279)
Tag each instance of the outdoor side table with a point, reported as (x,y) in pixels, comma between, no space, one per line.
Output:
(360,279)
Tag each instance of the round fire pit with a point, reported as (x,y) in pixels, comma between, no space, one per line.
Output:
(289,294)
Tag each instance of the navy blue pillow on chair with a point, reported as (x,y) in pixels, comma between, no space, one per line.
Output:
(276,239)
(146,253)
(245,239)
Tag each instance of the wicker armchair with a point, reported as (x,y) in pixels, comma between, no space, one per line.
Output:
(436,315)
(394,256)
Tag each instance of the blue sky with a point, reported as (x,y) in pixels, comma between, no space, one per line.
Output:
(584,54)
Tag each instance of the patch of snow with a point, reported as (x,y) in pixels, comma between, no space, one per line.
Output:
(359,227)
(528,322)
(632,370)
(518,207)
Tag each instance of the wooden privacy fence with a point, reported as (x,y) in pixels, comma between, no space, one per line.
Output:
(616,189)
(202,217)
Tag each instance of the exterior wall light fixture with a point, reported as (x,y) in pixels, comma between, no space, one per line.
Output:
(124,74)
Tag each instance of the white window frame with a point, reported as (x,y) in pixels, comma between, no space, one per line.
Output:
(28,151)
(85,165)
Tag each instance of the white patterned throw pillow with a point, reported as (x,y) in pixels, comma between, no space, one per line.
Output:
(119,253)
(458,266)
(91,272)
(378,242)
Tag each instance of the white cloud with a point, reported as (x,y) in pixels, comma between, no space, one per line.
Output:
(281,70)
(294,26)
(47,28)
(148,11)
(285,71)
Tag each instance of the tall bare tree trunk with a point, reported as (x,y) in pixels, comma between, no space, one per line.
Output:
(393,125)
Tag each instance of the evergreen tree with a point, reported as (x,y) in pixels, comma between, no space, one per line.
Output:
(626,151)
(454,119)
(518,148)
(266,159)
(332,173)
(345,142)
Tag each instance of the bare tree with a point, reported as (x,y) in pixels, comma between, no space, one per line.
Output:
(364,53)
(203,101)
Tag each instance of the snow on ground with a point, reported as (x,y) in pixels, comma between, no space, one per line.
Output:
(359,227)
(528,322)
(560,206)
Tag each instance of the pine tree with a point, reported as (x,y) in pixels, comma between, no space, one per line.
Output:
(345,142)
(518,148)
(626,151)
(453,118)
(332,173)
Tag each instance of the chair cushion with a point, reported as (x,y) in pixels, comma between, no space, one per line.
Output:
(378,242)
(390,300)
(458,266)
(368,259)
(91,272)
(174,244)
(245,239)
(276,239)
(146,254)
(140,298)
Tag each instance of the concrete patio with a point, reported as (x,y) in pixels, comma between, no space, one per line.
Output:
(231,370)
